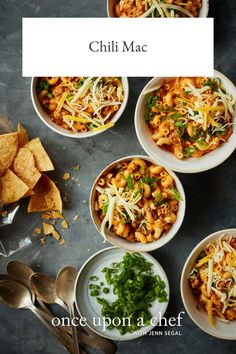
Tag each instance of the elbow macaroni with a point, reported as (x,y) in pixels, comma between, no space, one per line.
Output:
(143,203)
(138,8)
(220,296)
(189,116)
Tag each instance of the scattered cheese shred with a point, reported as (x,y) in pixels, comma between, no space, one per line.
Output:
(210,272)
(76,217)
(104,127)
(61,102)
(209,312)
(76,119)
(204,260)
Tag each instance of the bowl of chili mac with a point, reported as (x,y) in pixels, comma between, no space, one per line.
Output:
(187,123)
(208,287)
(157,8)
(136,204)
(79,107)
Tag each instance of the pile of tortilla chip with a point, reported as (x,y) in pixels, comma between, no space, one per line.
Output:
(22,166)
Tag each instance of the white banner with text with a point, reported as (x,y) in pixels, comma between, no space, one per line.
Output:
(117,47)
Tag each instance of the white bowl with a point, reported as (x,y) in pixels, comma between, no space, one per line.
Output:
(164,157)
(222,330)
(111,8)
(87,305)
(56,128)
(137,246)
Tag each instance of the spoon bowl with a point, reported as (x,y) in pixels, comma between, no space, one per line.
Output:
(44,286)
(65,283)
(15,294)
(20,271)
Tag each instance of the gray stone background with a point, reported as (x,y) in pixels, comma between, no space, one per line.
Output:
(211,197)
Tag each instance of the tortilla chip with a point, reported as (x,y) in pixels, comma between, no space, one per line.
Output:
(24,167)
(52,215)
(42,160)
(48,229)
(13,188)
(47,216)
(56,235)
(66,176)
(23,137)
(42,241)
(37,231)
(8,150)
(64,224)
(4,213)
(46,198)
(57,215)
(29,193)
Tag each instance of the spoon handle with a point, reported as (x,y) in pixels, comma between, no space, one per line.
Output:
(101,343)
(62,304)
(74,331)
(91,339)
(63,337)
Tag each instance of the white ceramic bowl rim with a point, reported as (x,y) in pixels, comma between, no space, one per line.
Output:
(56,128)
(194,253)
(137,246)
(144,331)
(163,157)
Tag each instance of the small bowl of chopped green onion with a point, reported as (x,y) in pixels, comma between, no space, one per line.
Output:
(130,290)
(79,107)
(187,123)
(136,204)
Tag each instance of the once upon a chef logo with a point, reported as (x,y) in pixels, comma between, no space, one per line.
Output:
(104,322)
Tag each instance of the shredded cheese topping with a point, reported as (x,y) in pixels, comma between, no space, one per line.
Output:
(215,278)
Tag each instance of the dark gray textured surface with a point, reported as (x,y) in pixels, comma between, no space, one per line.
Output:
(211,198)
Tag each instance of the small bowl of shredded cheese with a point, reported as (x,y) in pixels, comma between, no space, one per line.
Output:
(79,107)
(208,284)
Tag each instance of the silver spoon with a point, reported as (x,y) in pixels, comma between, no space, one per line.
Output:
(18,296)
(65,282)
(44,287)
(22,273)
